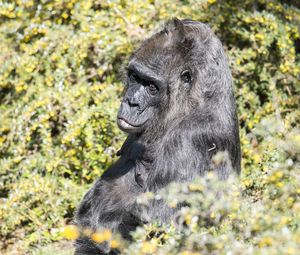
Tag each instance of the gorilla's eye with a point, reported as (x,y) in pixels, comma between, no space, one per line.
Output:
(186,76)
(152,89)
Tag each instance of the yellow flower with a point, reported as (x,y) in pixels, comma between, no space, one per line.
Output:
(211,1)
(103,236)
(279,174)
(70,153)
(260,37)
(247,19)
(265,241)
(71,232)
(188,219)
(285,220)
(114,244)
(190,253)
(196,187)
(213,215)
(65,15)
(256,158)
(246,151)
(247,183)
(291,250)
(2,139)
(148,247)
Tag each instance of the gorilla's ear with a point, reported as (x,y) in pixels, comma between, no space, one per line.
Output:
(175,28)
(173,25)
(178,25)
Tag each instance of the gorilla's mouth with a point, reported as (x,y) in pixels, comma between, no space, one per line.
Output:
(125,125)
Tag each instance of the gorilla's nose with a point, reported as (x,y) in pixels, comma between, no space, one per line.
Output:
(131,103)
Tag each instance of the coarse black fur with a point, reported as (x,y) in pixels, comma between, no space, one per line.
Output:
(179,110)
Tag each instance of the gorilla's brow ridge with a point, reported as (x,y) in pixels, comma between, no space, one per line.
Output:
(143,72)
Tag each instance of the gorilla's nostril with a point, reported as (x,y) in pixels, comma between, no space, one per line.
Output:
(132,104)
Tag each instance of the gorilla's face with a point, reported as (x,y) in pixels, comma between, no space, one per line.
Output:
(154,75)
(144,94)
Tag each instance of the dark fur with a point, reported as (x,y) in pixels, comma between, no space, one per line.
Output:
(186,124)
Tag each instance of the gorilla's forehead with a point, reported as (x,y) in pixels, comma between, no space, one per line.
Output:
(155,57)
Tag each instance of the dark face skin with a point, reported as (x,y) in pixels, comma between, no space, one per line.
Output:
(147,84)
(145,89)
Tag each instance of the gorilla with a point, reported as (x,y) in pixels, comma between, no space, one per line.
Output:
(179,111)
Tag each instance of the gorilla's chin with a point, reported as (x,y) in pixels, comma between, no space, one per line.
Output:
(127,127)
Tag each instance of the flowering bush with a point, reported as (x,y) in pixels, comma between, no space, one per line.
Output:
(61,63)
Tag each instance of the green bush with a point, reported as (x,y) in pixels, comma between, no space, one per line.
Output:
(60,72)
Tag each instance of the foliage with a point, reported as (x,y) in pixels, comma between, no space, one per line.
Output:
(61,66)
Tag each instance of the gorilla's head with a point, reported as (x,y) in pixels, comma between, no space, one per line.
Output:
(176,72)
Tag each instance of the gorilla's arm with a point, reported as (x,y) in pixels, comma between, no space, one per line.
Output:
(99,210)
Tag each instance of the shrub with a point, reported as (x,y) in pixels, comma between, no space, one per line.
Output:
(61,66)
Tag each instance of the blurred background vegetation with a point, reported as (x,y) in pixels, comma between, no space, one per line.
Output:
(60,68)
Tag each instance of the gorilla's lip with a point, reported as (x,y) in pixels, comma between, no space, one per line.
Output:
(125,124)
